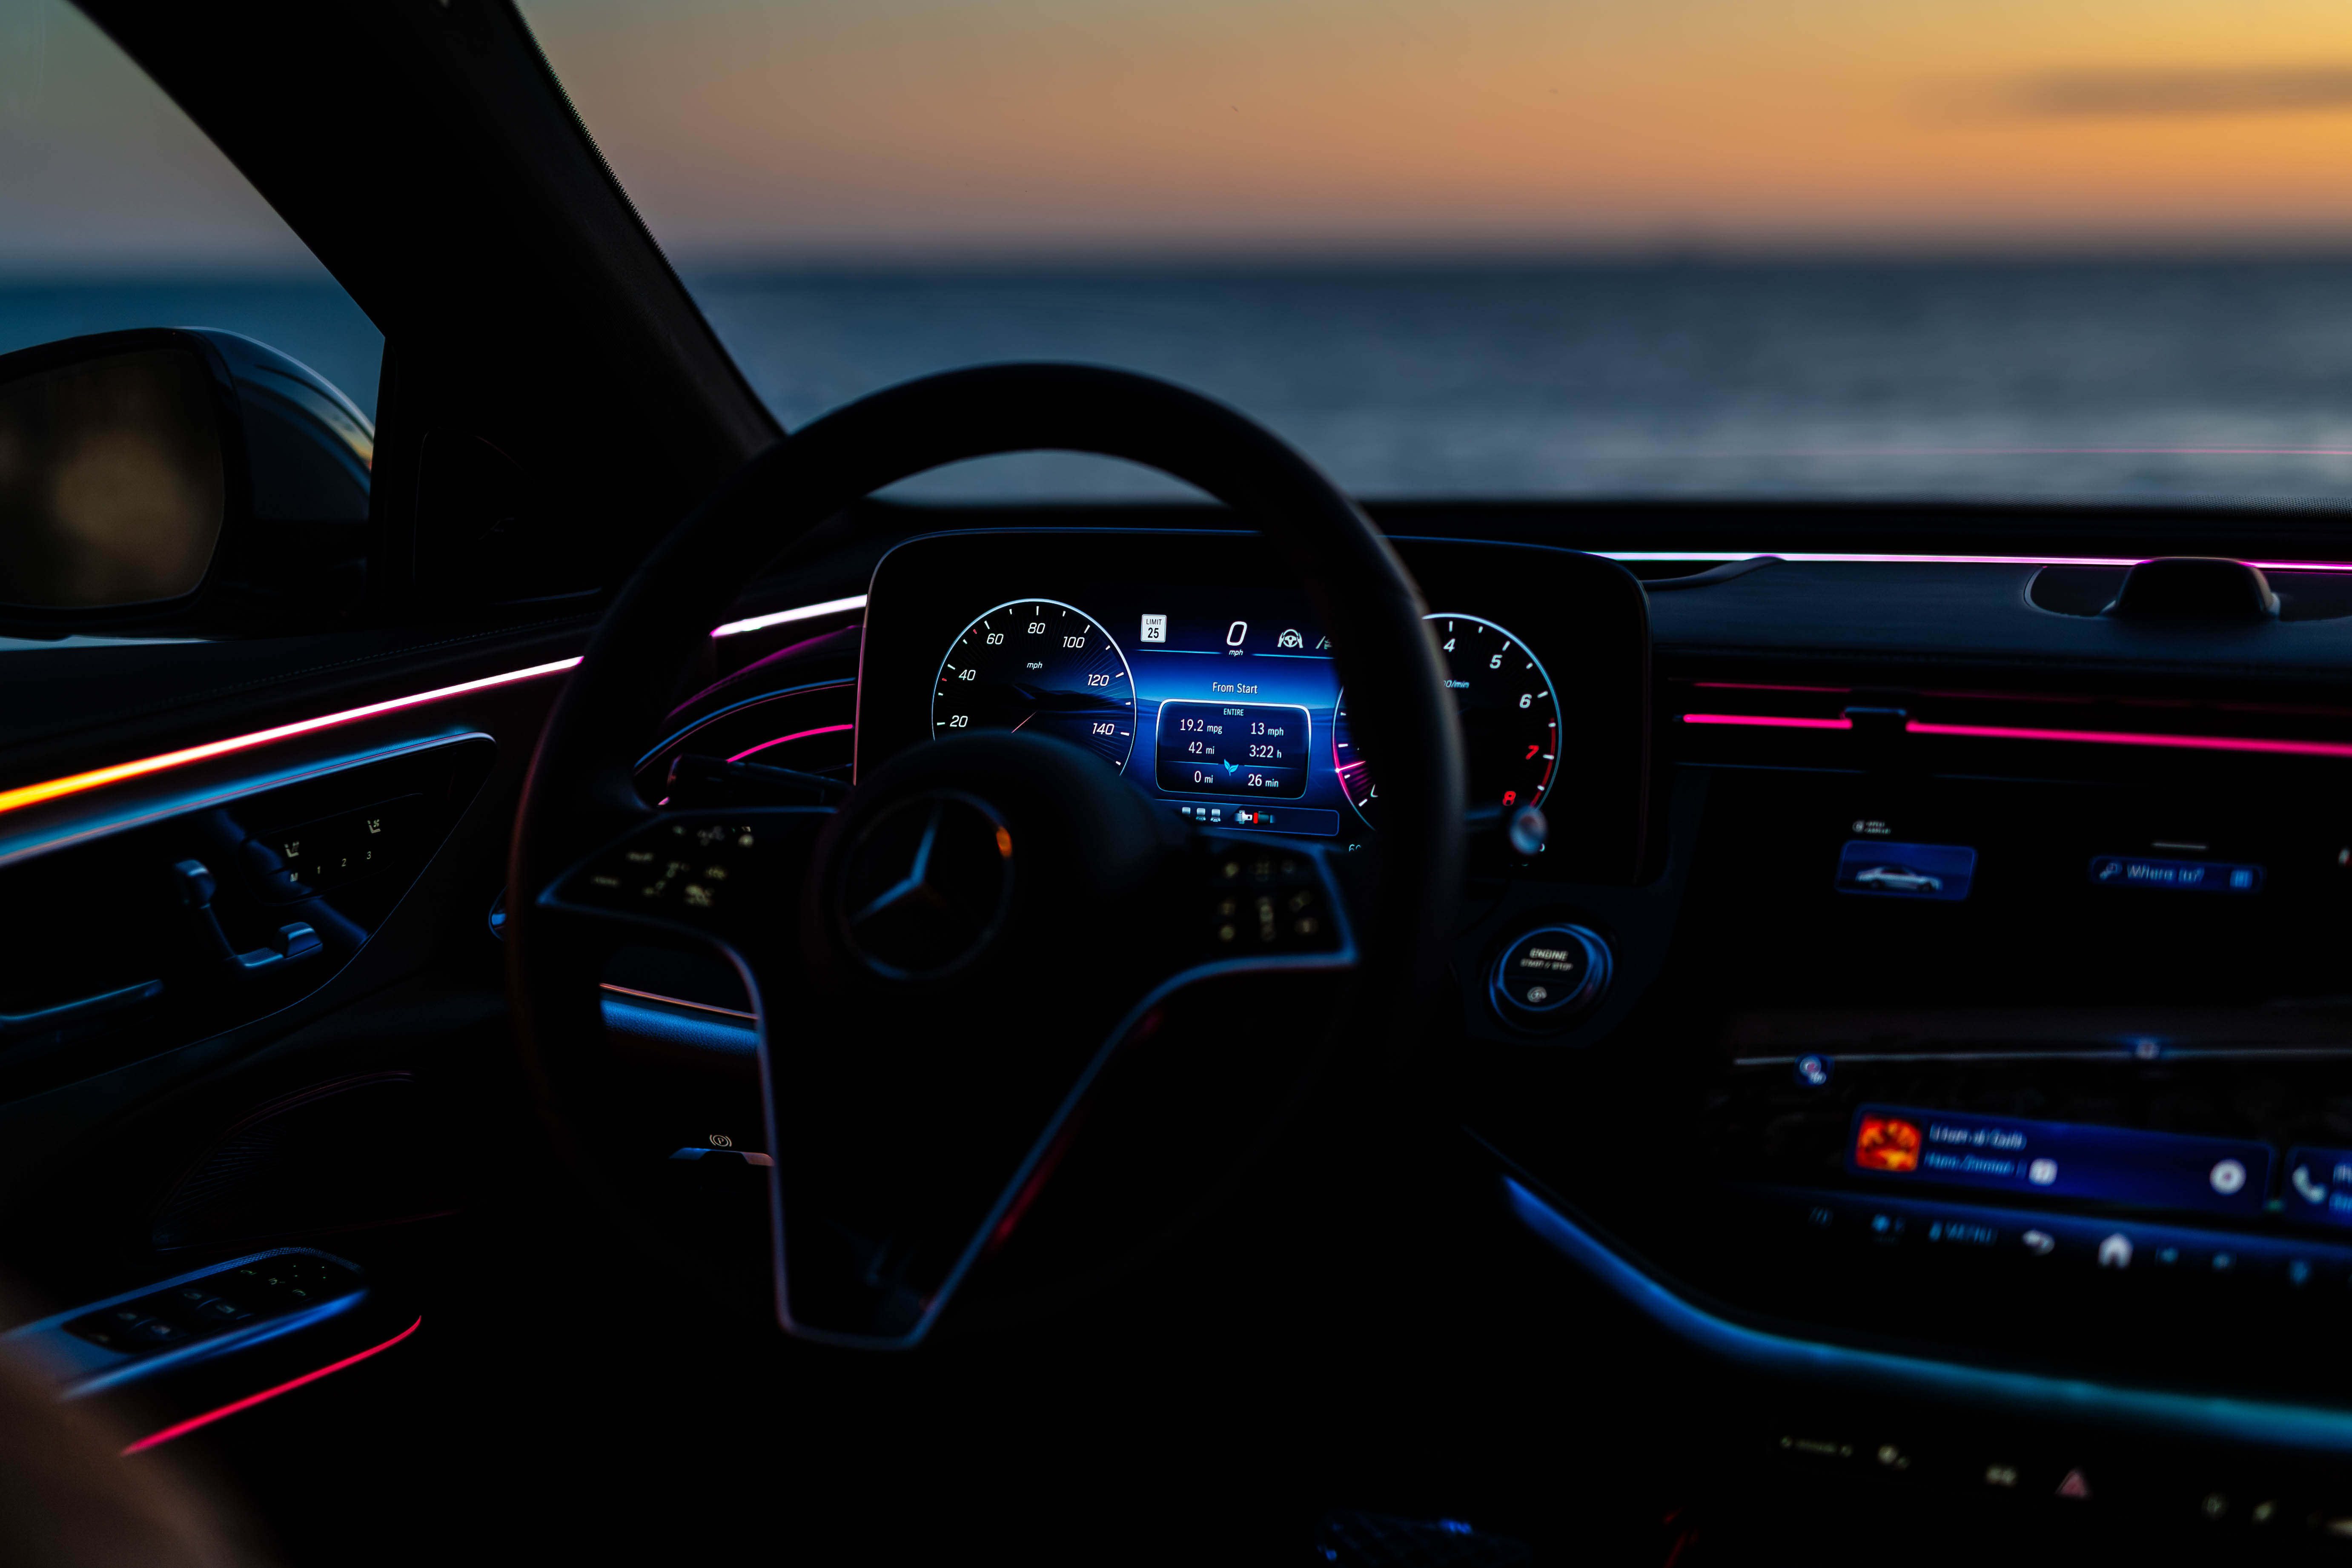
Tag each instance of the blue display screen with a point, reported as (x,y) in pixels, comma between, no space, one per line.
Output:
(1236,692)
(1254,749)
(2318,1185)
(2110,1164)
(1940,871)
(2174,875)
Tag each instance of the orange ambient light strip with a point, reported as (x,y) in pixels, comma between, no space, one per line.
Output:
(98,778)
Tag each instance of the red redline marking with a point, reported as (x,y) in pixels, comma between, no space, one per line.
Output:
(795,735)
(181,1429)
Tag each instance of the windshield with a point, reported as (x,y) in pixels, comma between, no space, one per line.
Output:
(1947,249)
(116,212)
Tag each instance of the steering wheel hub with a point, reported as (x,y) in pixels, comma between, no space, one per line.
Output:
(925,887)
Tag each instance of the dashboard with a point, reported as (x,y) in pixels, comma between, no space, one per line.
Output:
(1928,997)
(1966,1030)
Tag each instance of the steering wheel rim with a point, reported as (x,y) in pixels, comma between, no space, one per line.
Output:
(578,794)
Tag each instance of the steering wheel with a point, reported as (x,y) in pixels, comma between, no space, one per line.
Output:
(942,967)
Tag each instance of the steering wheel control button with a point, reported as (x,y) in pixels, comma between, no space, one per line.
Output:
(927,885)
(1267,900)
(1550,977)
(685,867)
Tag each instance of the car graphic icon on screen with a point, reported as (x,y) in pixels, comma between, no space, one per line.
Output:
(1879,868)
(1898,879)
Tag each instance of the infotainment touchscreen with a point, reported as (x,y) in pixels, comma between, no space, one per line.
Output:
(2069,1022)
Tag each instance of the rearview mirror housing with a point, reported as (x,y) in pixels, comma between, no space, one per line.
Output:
(183,480)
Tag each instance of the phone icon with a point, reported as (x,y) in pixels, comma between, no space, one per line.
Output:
(2308,1190)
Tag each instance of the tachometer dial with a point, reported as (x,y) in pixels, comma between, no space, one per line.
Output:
(1045,669)
(1510,720)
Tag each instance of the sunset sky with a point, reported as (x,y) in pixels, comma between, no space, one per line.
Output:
(749,128)
(928,123)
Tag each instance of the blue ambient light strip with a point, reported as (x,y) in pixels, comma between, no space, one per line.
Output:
(2313,1428)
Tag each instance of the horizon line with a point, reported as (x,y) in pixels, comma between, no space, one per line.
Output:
(104,272)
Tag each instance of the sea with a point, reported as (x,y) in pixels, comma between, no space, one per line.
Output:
(2163,379)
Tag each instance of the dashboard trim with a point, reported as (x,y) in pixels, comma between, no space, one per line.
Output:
(31,845)
(679,737)
(98,778)
(2222,1418)
(811,612)
(1882,559)
(2178,743)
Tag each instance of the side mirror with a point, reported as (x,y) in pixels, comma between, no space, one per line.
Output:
(182,480)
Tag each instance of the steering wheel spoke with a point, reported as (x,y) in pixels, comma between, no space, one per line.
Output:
(722,875)
(1279,904)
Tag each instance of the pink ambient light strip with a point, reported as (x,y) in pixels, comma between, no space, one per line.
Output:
(98,778)
(74,783)
(182,1428)
(1857,558)
(783,617)
(795,735)
(2089,737)
(1767,721)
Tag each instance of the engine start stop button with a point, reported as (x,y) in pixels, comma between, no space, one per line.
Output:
(1549,975)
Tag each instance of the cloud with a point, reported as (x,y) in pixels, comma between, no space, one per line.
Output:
(2187,92)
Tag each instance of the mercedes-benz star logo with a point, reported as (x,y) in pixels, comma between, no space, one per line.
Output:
(926,885)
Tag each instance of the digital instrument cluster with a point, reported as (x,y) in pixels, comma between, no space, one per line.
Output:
(1194,662)
(1228,703)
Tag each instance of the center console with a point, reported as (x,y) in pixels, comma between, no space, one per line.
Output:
(2009,1082)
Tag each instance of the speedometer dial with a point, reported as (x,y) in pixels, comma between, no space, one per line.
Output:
(1045,669)
(1510,720)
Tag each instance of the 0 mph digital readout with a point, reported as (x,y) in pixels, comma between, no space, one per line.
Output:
(1232,748)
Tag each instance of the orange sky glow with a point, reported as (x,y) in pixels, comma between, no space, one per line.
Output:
(923,125)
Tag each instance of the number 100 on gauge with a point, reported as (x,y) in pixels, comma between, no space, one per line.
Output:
(1043,667)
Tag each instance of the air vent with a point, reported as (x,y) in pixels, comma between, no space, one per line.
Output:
(2156,724)
(2089,590)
